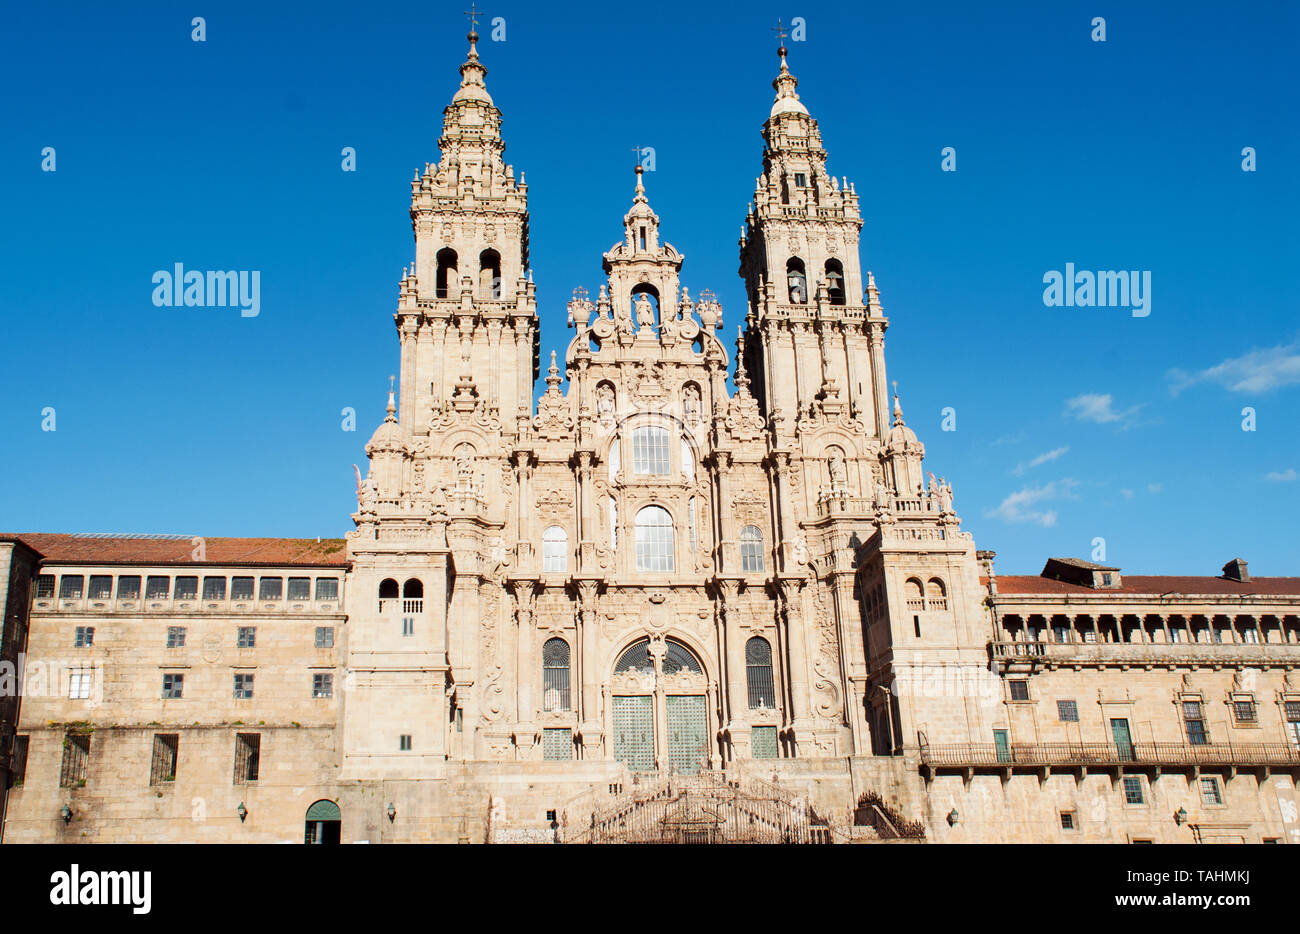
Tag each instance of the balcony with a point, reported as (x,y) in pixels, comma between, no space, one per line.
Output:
(404,605)
(1032,656)
(986,757)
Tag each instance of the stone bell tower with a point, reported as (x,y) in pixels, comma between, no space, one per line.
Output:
(815,341)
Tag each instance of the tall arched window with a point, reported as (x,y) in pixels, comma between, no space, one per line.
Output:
(387,591)
(751,548)
(915,599)
(835,281)
(413,596)
(555,549)
(555,675)
(936,598)
(797,281)
(489,274)
(758,674)
(650,451)
(446,280)
(654,539)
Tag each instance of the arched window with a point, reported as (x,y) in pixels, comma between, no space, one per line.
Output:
(797,281)
(635,657)
(751,548)
(758,674)
(650,451)
(555,549)
(413,596)
(555,675)
(678,657)
(489,274)
(915,600)
(323,823)
(613,524)
(936,598)
(388,590)
(835,281)
(654,539)
(446,280)
(688,461)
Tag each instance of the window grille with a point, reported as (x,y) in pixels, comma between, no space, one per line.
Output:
(270,588)
(18,761)
(1067,711)
(44,586)
(214,588)
(1210,793)
(327,588)
(128,588)
(1133,789)
(300,588)
(555,675)
(763,743)
(241,588)
(162,768)
(101,587)
(678,657)
(70,587)
(758,672)
(1243,711)
(557,744)
(157,588)
(1020,690)
(187,588)
(248,756)
(76,759)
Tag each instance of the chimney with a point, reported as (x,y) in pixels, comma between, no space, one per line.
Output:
(1235,570)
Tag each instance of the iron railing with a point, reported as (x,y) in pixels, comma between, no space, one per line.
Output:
(984,755)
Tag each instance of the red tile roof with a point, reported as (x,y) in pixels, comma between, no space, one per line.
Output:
(1154,584)
(179,549)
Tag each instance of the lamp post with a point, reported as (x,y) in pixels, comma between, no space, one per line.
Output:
(889,714)
(391,812)
(242,812)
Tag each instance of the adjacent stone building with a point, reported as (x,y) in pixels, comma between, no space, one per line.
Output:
(648,606)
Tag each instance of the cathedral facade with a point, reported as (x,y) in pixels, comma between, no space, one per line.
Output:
(645,605)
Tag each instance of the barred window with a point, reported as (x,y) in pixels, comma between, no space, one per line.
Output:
(324,637)
(173,685)
(1194,718)
(187,588)
(557,744)
(758,673)
(327,588)
(555,675)
(76,760)
(175,637)
(243,686)
(654,539)
(246,637)
(300,588)
(70,587)
(270,588)
(751,548)
(162,768)
(322,684)
(404,742)
(650,451)
(241,588)
(80,681)
(1243,710)
(1210,793)
(555,549)
(84,637)
(1019,690)
(763,743)
(678,657)
(157,588)
(18,761)
(214,588)
(101,587)
(248,755)
(128,588)
(1292,709)
(1133,790)
(1067,711)
(44,586)
(635,658)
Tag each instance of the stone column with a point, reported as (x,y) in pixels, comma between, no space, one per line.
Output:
(876,346)
(796,644)
(409,372)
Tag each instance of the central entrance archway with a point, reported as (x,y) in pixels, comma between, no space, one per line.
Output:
(660,708)
(323,824)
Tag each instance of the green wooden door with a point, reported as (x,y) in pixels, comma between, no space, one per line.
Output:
(688,741)
(634,732)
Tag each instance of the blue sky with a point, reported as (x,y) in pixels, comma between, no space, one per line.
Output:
(1072,423)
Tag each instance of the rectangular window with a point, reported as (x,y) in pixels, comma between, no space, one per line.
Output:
(322,685)
(79,683)
(1250,635)
(327,588)
(101,587)
(84,637)
(408,625)
(44,586)
(763,743)
(187,588)
(70,587)
(243,686)
(1194,717)
(1243,710)
(404,742)
(18,762)
(800,180)
(650,451)
(248,756)
(1133,789)
(324,637)
(1061,633)
(173,686)
(76,760)
(300,588)
(246,637)
(1020,690)
(157,588)
(557,744)
(270,588)
(163,766)
(1292,709)
(1210,793)
(1067,711)
(128,587)
(214,588)
(175,637)
(241,588)
(1067,820)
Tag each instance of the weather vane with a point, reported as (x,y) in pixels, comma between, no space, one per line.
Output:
(472,13)
(779,29)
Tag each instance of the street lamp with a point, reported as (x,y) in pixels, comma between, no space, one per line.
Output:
(889,714)
(241,811)
(392,812)
(66,814)
(1180,816)
(953,817)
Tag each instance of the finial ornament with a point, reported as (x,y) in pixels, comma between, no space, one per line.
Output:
(392,402)
(898,408)
(473,14)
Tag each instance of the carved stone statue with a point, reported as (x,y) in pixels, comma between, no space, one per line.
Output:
(604,401)
(691,403)
(645,312)
(839,475)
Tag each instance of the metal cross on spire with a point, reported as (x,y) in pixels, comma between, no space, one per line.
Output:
(473,15)
(779,29)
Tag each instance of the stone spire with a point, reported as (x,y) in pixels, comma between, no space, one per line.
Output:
(787,98)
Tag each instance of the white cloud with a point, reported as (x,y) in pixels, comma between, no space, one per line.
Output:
(1128,494)
(1256,371)
(1099,408)
(1282,476)
(1040,459)
(1021,506)
(1155,487)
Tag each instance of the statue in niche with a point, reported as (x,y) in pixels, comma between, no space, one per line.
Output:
(604,400)
(945,495)
(691,403)
(645,312)
(839,474)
